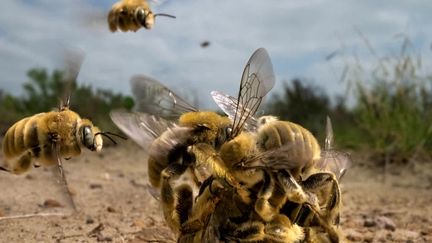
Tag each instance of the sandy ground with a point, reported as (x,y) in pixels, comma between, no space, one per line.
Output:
(114,205)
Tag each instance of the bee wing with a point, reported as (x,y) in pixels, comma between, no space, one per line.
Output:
(274,159)
(142,128)
(257,80)
(334,161)
(229,105)
(329,140)
(73,61)
(154,98)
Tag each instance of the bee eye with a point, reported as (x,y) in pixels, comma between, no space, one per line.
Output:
(228,130)
(140,15)
(87,137)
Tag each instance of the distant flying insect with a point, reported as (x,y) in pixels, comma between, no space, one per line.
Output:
(131,15)
(205,44)
(45,138)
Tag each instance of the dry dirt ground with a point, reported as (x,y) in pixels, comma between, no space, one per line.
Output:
(114,204)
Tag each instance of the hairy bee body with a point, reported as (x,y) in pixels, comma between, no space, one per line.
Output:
(204,127)
(32,138)
(131,15)
(305,150)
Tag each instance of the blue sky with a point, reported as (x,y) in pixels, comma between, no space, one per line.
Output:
(297,34)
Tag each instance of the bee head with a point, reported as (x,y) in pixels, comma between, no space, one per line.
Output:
(237,150)
(90,136)
(145,17)
(206,123)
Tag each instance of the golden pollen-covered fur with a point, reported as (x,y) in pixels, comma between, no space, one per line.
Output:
(209,120)
(305,148)
(33,139)
(237,149)
(123,15)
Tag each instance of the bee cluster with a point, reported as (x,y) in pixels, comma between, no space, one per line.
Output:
(236,178)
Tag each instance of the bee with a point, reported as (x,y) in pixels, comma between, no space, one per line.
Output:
(44,139)
(183,147)
(293,169)
(131,15)
(318,188)
(165,130)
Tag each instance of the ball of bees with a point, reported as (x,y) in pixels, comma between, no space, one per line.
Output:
(180,149)
(257,178)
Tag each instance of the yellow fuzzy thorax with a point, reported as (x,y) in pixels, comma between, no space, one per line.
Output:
(237,149)
(62,123)
(208,119)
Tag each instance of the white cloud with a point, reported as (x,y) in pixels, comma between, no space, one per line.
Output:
(297,34)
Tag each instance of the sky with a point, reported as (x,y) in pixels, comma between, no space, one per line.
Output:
(297,34)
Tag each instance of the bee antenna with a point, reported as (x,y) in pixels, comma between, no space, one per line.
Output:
(106,134)
(165,15)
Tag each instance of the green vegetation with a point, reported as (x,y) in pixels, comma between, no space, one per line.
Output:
(394,105)
(391,117)
(43,92)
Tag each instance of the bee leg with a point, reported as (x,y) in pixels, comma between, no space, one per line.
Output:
(293,211)
(250,231)
(4,169)
(169,196)
(206,156)
(56,149)
(281,229)
(262,205)
(204,207)
(322,181)
(295,192)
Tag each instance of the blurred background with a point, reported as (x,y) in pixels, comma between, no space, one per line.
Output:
(366,64)
(363,63)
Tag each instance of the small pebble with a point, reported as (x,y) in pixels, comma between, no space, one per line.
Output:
(51,203)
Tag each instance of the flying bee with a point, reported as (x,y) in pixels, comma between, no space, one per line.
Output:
(131,15)
(44,139)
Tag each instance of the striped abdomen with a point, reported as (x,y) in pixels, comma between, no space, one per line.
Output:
(305,148)
(32,138)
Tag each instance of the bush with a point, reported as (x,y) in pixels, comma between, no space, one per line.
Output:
(393,105)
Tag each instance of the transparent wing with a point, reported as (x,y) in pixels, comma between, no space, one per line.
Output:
(142,128)
(229,105)
(156,99)
(73,59)
(333,160)
(274,159)
(257,80)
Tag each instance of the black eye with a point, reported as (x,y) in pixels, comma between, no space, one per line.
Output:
(140,15)
(87,137)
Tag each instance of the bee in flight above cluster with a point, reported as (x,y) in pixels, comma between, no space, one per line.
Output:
(131,15)
(45,138)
